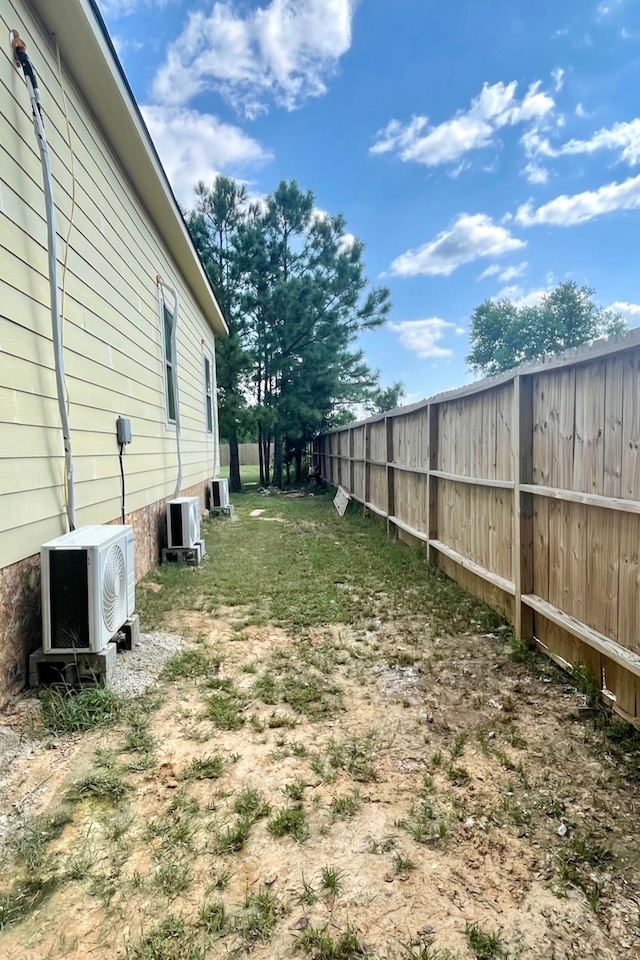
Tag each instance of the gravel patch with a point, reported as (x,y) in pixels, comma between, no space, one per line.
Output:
(137,670)
(400,683)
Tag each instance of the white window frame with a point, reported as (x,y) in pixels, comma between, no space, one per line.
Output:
(209,399)
(167,362)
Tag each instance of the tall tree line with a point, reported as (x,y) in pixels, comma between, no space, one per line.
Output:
(292,285)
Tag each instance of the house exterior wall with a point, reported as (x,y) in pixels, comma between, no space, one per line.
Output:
(113,341)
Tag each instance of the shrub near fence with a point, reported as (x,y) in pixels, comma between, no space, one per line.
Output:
(526,490)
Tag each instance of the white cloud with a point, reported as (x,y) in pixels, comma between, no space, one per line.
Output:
(412,397)
(630,311)
(557,76)
(495,107)
(519,298)
(491,271)
(565,211)
(606,7)
(621,136)
(535,173)
(504,274)
(125,44)
(279,53)
(422,336)
(581,112)
(512,272)
(469,238)
(460,331)
(122,8)
(195,146)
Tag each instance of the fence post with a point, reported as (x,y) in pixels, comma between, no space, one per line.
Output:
(351,463)
(391,496)
(367,469)
(432,482)
(522,459)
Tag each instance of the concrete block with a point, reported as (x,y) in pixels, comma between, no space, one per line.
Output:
(129,635)
(71,667)
(222,512)
(181,555)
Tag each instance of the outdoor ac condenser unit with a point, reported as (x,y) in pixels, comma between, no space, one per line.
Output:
(219,493)
(88,587)
(183,522)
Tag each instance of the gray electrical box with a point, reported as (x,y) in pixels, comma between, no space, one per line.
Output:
(123,430)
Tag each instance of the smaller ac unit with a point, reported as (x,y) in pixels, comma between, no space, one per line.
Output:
(88,587)
(219,494)
(183,522)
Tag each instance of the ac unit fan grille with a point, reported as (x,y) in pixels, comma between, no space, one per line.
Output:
(69,599)
(114,589)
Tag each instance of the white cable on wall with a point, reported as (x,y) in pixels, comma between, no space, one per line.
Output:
(19,48)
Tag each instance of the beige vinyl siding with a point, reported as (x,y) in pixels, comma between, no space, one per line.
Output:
(112,333)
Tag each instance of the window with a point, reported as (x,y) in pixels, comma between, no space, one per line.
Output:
(169,366)
(208,394)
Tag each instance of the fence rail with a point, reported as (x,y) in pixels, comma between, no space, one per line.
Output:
(526,490)
(248,453)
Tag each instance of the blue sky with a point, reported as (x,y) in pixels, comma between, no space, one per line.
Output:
(479,148)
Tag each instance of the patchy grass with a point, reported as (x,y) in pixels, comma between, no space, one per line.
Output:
(484,946)
(38,834)
(319,944)
(282,574)
(204,857)
(423,825)
(354,755)
(346,806)
(190,664)
(225,707)
(332,879)
(172,939)
(204,768)
(213,917)
(69,711)
(289,822)
(232,837)
(251,805)
(107,786)
(24,897)
(261,912)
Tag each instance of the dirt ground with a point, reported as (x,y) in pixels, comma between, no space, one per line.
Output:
(371,789)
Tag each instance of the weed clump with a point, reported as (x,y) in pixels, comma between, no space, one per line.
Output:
(171,939)
(189,664)
(290,821)
(318,944)
(251,805)
(23,897)
(69,711)
(105,785)
(484,946)
(354,755)
(204,768)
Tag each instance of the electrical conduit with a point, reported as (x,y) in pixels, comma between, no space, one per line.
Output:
(20,51)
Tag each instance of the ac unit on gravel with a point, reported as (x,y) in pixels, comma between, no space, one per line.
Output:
(88,587)
(219,494)
(183,522)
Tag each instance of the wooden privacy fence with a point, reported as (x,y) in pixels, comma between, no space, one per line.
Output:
(248,453)
(525,489)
